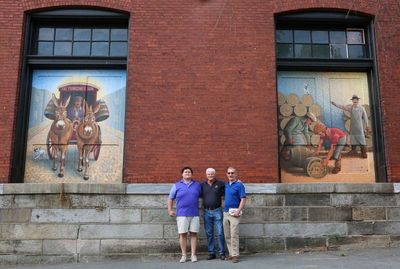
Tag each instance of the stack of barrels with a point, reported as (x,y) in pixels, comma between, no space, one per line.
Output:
(294,106)
(347,123)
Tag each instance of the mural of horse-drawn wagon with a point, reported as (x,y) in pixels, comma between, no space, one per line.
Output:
(75,116)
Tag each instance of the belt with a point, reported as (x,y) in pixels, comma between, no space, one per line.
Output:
(211,208)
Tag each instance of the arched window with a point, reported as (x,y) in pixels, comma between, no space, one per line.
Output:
(325,61)
(75,60)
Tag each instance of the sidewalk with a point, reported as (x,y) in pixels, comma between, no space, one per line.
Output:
(358,259)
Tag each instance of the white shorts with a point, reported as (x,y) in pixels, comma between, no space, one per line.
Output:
(188,224)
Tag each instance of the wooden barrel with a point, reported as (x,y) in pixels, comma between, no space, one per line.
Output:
(315,109)
(286,110)
(368,110)
(281,98)
(283,122)
(298,155)
(315,140)
(300,110)
(347,125)
(307,100)
(50,111)
(103,113)
(292,99)
(314,168)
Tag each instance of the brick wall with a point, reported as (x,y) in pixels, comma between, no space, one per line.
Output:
(77,222)
(201,83)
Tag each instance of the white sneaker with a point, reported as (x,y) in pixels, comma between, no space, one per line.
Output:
(193,258)
(183,259)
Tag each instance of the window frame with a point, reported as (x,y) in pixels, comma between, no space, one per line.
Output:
(33,62)
(329,19)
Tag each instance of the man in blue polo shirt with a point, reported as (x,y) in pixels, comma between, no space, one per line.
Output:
(186,192)
(235,200)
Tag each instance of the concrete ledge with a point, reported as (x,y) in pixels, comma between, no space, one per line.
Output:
(251,188)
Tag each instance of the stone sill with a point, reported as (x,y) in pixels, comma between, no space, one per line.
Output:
(251,188)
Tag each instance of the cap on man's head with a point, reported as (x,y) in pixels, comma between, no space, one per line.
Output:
(311,116)
(355,96)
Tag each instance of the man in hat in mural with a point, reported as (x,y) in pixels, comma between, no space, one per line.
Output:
(337,140)
(76,113)
(358,125)
(296,133)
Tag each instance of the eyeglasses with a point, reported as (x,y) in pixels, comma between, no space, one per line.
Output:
(231,173)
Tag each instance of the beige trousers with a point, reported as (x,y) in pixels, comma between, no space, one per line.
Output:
(231,231)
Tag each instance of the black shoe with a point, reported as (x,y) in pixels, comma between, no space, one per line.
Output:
(222,257)
(211,257)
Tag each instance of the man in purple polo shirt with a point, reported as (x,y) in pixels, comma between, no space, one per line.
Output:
(235,199)
(186,192)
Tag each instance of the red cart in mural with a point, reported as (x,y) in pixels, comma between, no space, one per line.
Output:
(88,94)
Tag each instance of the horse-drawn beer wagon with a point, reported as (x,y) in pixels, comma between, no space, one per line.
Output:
(81,130)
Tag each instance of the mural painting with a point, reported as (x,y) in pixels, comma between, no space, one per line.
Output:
(76,126)
(325,127)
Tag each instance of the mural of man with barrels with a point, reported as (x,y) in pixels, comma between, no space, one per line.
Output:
(296,133)
(358,125)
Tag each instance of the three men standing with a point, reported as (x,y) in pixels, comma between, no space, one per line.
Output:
(187,192)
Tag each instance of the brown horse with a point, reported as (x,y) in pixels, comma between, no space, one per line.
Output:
(87,134)
(60,133)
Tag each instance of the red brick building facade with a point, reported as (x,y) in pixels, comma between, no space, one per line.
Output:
(201,83)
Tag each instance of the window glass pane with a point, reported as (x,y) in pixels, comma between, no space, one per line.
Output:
(355,37)
(100,48)
(46,33)
(284,50)
(284,36)
(101,34)
(320,51)
(301,36)
(45,48)
(118,49)
(62,48)
(302,51)
(337,37)
(119,34)
(320,37)
(338,51)
(81,48)
(82,34)
(63,34)
(356,51)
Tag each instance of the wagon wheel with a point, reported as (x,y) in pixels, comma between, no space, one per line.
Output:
(96,148)
(314,167)
(50,147)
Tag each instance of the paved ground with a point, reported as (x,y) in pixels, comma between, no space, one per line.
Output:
(360,259)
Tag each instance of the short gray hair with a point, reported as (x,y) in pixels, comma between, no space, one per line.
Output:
(210,170)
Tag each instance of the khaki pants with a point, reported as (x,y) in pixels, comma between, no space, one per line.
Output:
(231,231)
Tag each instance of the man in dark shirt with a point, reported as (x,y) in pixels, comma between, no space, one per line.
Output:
(212,191)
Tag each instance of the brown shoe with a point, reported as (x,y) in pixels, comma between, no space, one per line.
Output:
(364,152)
(235,259)
(229,258)
(335,170)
